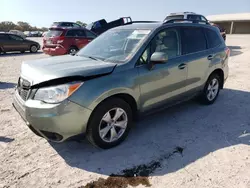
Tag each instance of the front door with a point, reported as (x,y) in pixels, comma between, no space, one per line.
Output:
(164,83)
(17,43)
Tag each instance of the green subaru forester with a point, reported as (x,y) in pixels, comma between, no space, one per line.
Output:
(126,72)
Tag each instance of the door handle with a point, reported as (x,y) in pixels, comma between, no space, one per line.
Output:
(210,57)
(182,66)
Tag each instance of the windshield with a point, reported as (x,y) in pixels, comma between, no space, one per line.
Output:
(115,45)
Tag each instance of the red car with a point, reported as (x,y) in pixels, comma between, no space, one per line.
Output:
(60,41)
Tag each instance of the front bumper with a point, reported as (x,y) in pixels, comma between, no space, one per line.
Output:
(59,50)
(55,122)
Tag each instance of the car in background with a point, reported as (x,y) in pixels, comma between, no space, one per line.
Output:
(193,16)
(222,30)
(36,33)
(44,33)
(102,25)
(11,42)
(27,33)
(17,32)
(61,41)
(125,72)
(186,16)
(65,24)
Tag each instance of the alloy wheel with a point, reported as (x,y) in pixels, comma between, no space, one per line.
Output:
(113,125)
(212,89)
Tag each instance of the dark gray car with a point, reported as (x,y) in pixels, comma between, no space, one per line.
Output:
(10,43)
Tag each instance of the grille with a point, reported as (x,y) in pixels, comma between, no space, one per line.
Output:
(23,87)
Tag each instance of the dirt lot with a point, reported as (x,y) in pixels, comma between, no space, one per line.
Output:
(188,145)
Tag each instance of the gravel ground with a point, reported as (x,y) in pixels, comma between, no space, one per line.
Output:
(188,145)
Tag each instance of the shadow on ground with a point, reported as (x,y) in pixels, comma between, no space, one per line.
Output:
(7,85)
(188,131)
(235,50)
(12,54)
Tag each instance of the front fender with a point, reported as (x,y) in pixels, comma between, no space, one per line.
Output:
(93,92)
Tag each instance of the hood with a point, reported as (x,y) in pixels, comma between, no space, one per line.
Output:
(42,70)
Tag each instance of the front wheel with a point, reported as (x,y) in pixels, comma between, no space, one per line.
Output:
(211,90)
(110,123)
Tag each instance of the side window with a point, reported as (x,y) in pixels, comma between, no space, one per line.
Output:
(213,38)
(80,33)
(90,34)
(14,37)
(166,41)
(193,17)
(71,33)
(4,37)
(193,40)
(76,25)
(203,18)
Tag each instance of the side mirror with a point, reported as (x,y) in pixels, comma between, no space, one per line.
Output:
(159,58)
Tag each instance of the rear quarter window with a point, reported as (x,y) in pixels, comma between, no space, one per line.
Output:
(193,40)
(213,38)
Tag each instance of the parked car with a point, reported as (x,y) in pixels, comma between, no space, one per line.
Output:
(222,30)
(102,25)
(65,24)
(17,32)
(10,42)
(185,15)
(193,16)
(60,41)
(44,33)
(125,72)
(27,33)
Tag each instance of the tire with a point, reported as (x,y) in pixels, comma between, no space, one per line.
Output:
(33,49)
(96,123)
(207,97)
(72,50)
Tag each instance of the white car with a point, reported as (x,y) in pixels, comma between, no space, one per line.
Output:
(186,16)
(17,32)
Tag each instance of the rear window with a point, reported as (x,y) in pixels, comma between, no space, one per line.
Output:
(54,33)
(193,40)
(174,17)
(213,38)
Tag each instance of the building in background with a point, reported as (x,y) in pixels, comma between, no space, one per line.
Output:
(233,23)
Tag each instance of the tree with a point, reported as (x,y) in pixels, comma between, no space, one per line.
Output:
(81,23)
(24,25)
(6,26)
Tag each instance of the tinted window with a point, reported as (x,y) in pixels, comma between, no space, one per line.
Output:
(15,37)
(90,34)
(203,18)
(193,17)
(65,24)
(213,38)
(76,25)
(76,33)
(4,37)
(193,40)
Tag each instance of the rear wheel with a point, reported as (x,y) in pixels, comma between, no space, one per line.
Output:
(110,123)
(211,90)
(33,49)
(73,50)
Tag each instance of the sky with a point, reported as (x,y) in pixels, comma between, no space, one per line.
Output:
(43,12)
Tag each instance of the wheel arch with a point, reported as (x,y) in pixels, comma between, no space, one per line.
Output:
(220,73)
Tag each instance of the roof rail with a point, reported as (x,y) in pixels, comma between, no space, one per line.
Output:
(186,20)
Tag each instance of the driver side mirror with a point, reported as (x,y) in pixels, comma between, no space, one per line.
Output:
(159,58)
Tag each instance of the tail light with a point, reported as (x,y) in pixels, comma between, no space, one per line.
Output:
(60,39)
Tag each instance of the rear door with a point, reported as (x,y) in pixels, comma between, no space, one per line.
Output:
(5,42)
(81,39)
(194,48)
(90,35)
(17,43)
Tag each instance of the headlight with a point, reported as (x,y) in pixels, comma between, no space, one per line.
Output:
(56,94)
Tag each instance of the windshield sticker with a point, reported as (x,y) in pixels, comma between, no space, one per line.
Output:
(139,34)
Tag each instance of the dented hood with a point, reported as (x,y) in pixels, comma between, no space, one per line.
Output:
(41,70)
